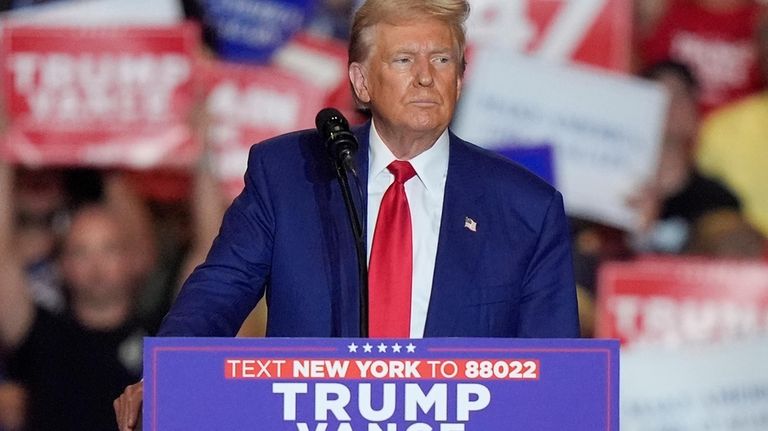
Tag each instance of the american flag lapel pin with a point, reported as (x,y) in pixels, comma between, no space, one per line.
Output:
(470,224)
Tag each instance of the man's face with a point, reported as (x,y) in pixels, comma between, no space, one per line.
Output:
(95,260)
(411,78)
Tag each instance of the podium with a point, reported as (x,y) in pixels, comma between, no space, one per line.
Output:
(321,384)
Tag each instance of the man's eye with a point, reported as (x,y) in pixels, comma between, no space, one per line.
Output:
(402,60)
(442,60)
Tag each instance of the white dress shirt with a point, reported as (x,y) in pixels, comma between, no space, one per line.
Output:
(425,194)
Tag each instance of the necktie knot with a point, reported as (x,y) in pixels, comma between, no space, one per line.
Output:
(402,170)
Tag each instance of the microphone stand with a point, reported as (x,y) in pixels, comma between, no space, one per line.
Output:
(357,230)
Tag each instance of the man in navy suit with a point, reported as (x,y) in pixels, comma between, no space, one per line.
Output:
(490,252)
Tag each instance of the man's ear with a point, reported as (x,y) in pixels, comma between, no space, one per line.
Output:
(459,84)
(359,80)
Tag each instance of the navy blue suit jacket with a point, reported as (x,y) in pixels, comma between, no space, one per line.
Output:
(287,236)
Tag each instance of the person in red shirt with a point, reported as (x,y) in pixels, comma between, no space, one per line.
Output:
(716,38)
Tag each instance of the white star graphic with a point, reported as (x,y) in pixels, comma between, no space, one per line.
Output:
(396,348)
(410,348)
(352,348)
(382,348)
(367,347)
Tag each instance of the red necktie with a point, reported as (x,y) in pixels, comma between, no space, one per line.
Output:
(390,271)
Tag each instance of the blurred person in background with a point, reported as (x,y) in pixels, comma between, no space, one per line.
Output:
(675,208)
(680,194)
(40,202)
(734,147)
(13,400)
(71,363)
(726,234)
(36,218)
(714,37)
(592,244)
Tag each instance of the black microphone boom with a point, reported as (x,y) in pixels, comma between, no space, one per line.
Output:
(341,145)
(339,141)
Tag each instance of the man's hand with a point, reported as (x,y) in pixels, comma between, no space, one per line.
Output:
(128,405)
(13,403)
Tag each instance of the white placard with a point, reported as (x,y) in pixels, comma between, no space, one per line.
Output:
(99,13)
(709,387)
(605,127)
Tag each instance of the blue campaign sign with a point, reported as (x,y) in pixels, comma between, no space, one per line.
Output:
(252,30)
(380,385)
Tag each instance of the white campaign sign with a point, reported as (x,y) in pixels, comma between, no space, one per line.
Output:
(605,127)
(720,386)
(99,13)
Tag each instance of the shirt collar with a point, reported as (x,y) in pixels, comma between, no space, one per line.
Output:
(431,166)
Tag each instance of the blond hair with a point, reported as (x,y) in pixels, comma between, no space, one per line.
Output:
(452,12)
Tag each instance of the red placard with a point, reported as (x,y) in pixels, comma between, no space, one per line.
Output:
(323,63)
(718,43)
(247,104)
(592,32)
(675,301)
(112,96)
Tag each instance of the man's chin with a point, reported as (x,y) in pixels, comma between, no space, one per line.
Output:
(100,295)
(417,122)
(426,125)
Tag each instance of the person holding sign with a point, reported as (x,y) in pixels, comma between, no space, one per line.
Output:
(461,242)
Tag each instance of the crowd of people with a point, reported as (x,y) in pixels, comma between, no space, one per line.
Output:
(706,200)
(89,264)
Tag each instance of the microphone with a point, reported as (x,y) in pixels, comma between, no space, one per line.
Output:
(342,146)
(339,141)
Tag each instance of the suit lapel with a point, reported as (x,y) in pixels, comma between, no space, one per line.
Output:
(362,133)
(459,246)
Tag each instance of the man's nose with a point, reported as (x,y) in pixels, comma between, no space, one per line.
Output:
(424,72)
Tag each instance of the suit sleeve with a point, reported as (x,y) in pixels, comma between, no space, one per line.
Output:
(548,306)
(220,293)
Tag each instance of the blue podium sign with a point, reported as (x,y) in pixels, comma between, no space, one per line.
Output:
(445,384)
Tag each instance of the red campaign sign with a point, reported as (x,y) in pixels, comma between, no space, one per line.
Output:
(100,96)
(248,104)
(322,62)
(592,32)
(674,301)
(717,43)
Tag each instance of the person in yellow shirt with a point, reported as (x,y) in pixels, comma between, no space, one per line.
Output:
(733,147)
